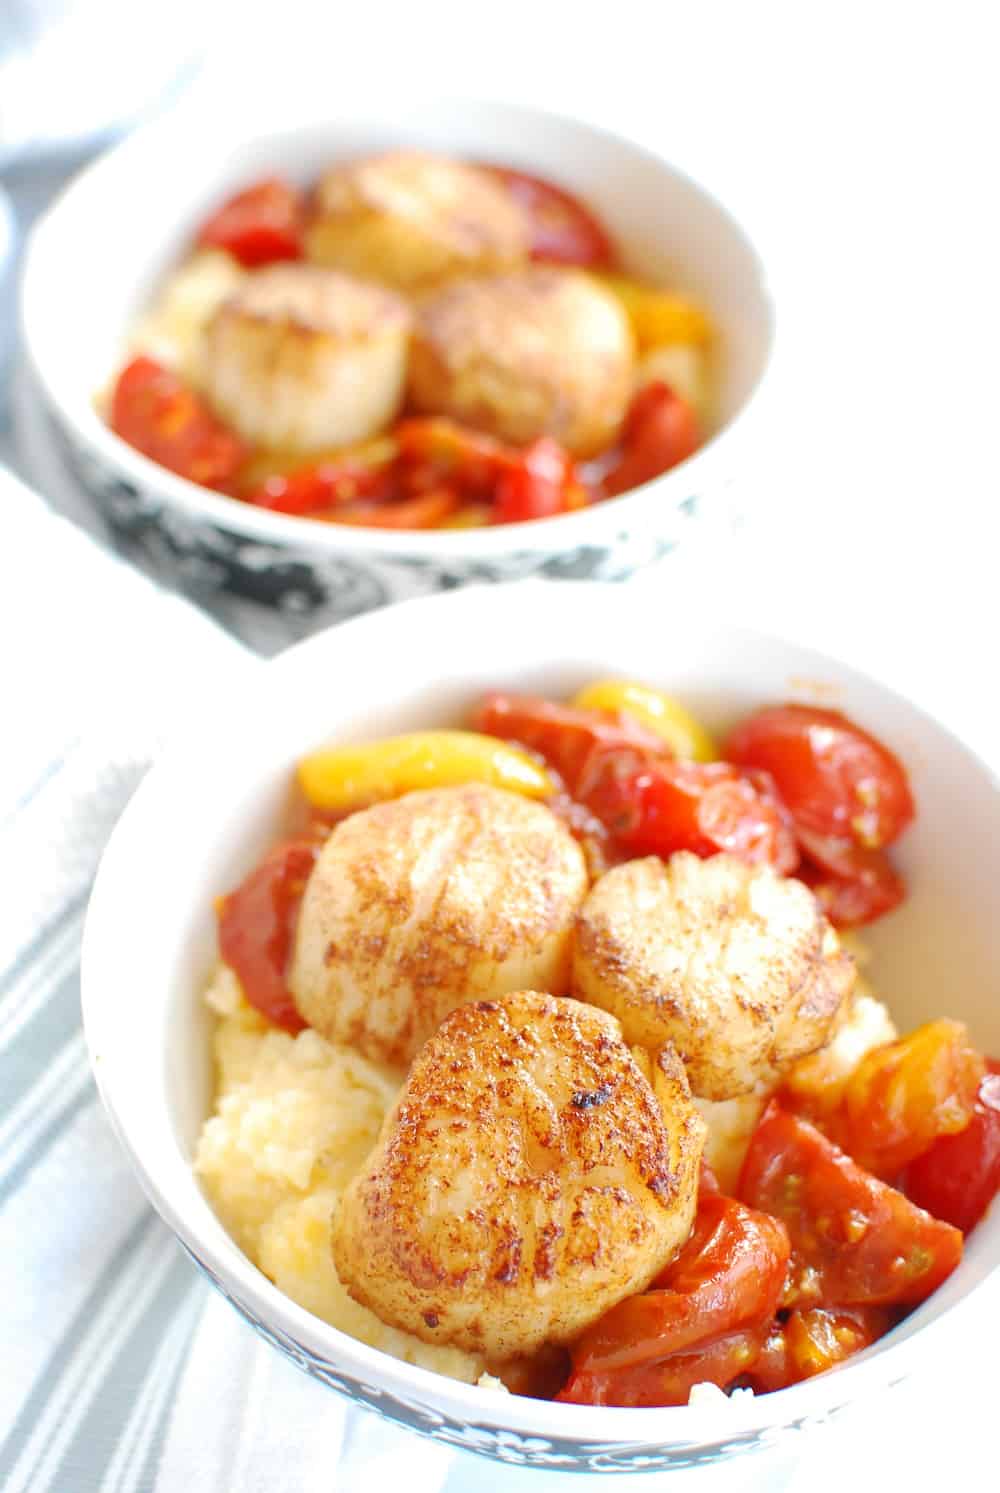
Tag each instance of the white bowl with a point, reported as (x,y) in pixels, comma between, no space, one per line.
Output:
(212,804)
(94,259)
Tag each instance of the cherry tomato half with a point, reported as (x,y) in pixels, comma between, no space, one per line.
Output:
(656,806)
(706,1315)
(836,779)
(661,429)
(155,411)
(537,486)
(959,1176)
(565,735)
(853,885)
(257,926)
(855,1240)
(562,230)
(260,225)
(314,489)
(901,1097)
(811,1341)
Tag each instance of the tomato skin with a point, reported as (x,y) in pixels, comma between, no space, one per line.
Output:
(855,1240)
(656,806)
(812,1341)
(260,225)
(315,489)
(836,779)
(661,429)
(565,735)
(903,1096)
(561,229)
(538,486)
(959,1176)
(853,885)
(156,413)
(706,1315)
(257,926)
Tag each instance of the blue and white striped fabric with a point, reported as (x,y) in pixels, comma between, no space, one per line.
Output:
(120,1370)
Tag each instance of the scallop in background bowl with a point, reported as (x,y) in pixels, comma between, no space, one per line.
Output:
(216,800)
(95,258)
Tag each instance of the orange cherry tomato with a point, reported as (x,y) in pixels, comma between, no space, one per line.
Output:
(154,411)
(661,429)
(811,1341)
(855,1240)
(904,1095)
(562,230)
(837,781)
(257,927)
(260,225)
(706,1315)
(959,1176)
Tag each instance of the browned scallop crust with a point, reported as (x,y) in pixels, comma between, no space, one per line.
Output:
(409,219)
(735,965)
(542,351)
(527,1179)
(437,898)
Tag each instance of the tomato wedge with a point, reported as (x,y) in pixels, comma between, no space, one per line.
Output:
(257,926)
(562,230)
(855,1240)
(959,1176)
(314,489)
(660,430)
(260,225)
(706,1316)
(836,779)
(155,411)
(539,485)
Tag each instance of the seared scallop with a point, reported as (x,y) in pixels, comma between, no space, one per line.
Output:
(409,219)
(306,359)
(543,351)
(527,1179)
(735,965)
(434,899)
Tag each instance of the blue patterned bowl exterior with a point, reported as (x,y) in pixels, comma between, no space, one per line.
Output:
(554,1453)
(303,588)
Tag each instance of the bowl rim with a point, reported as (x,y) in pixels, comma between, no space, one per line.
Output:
(561,532)
(884,1364)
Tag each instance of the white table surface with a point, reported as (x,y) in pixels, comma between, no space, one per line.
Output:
(859,144)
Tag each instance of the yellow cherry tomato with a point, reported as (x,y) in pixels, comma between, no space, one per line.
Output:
(659,317)
(343,778)
(685,736)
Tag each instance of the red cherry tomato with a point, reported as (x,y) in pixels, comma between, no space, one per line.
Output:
(258,226)
(836,779)
(562,230)
(257,926)
(154,411)
(654,806)
(436,451)
(424,512)
(537,486)
(959,1176)
(661,429)
(706,1315)
(855,1240)
(853,885)
(316,488)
